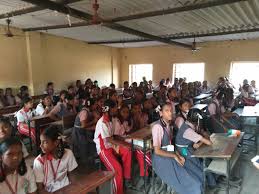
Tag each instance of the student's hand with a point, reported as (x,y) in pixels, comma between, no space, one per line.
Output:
(256,165)
(180,160)
(196,145)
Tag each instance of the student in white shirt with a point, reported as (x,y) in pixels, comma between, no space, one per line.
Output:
(52,167)
(15,176)
(6,132)
(45,106)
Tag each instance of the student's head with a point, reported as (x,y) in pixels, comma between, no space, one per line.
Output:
(166,112)
(139,95)
(124,113)
(100,101)
(136,108)
(8,92)
(194,116)
(176,81)
(150,82)
(71,90)
(11,157)
(185,105)
(147,104)
(96,83)
(27,103)
(50,88)
(78,83)
(46,100)
(51,142)
(113,95)
(167,81)
(1,92)
(110,108)
(204,83)
(112,86)
(134,84)
(245,82)
(62,95)
(172,93)
(126,85)
(253,83)
(24,90)
(5,128)
(70,99)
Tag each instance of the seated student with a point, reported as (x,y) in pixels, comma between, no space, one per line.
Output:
(149,109)
(78,86)
(52,167)
(62,95)
(185,93)
(246,90)
(139,96)
(170,166)
(24,92)
(168,83)
(71,90)
(84,126)
(3,101)
(127,92)
(16,177)
(96,83)
(45,106)
(172,98)
(205,88)
(50,90)
(184,106)
(112,86)
(161,95)
(253,86)
(94,92)
(149,87)
(107,153)
(63,108)
(9,97)
(24,116)
(140,119)
(6,132)
(187,139)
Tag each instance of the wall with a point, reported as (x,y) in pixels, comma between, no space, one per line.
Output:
(216,55)
(36,58)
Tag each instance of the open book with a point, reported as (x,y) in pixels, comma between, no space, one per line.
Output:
(255,159)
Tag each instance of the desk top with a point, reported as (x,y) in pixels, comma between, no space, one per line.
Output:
(202,96)
(82,183)
(119,142)
(223,146)
(248,111)
(200,106)
(142,134)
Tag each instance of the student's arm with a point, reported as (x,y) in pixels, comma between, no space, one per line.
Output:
(256,165)
(53,112)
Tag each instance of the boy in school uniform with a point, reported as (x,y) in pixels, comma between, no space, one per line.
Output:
(107,153)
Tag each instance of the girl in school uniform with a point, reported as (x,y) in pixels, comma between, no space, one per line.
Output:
(16,177)
(127,92)
(6,132)
(50,90)
(107,153)
(184,106)
(52,167)
(3,101)
(24,92)
(24,117)
(9,97)
(172,98)
(170,166)
(187,140)
(45,106)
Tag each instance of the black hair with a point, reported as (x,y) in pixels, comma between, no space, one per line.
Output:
(112,85)
(184,100)
(69,97)
(110,103)
(63,92)
(5,121)
(53,133)
(23,88)
(112,92)
(125,82)
(120,117)
(49,84)
(194,115)
(4,146)
(25,100)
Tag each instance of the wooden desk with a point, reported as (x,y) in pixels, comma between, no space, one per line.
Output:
(201,107)
(9,109)
(223,147)
(82,184)
(248,111)
(119,142)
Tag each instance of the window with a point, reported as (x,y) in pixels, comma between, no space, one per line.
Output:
(192,71)
(243,70)
(138,71)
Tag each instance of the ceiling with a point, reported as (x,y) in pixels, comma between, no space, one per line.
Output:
(229,21)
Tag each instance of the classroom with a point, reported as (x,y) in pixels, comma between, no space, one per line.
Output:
(129,96)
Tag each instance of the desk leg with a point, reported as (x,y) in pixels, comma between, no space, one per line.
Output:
(106,188)
(228,175)
(37,140)
(204,175)
(145,167)
(132,161)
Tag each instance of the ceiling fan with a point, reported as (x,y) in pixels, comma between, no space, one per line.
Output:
(194,46)
(96,19)
(8,32)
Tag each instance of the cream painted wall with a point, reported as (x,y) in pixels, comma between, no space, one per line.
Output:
(216,55)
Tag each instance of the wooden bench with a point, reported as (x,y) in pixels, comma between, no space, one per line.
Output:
(82,184)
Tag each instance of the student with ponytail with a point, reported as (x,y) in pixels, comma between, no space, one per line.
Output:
(51,168)
(15,176)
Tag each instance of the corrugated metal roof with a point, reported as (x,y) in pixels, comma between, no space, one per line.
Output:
(224,18)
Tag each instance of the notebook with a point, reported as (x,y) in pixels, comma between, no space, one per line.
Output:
(255,159)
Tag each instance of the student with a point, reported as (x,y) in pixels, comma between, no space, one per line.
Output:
(9,97)
(122,124)
(169,166)
(184,106)
(172,98)
(112,86)
(168,83)
(45,106)
(187,139)
(205,88)
(24,117)
(78,86)
(63,108)
(127,92)
(107,153)
(71,90)
(24,92)
(52,167)
(84,126)
(140,119)
(148,109)
(6,132)
(253,86)
(3,101)
(50,89)
(16,177)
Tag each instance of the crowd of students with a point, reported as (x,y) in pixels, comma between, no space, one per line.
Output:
(102,114)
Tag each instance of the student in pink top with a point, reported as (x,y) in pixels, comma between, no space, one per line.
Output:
(184,106)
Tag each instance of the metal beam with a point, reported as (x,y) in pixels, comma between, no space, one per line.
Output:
(147,14)
(47,4)
(30,10)
(176,37)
